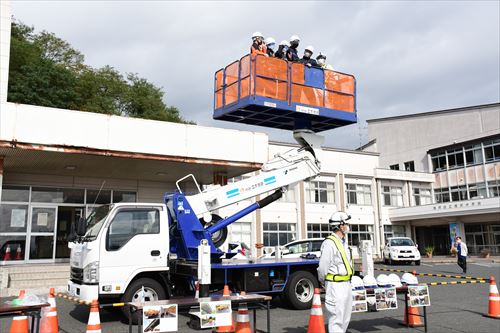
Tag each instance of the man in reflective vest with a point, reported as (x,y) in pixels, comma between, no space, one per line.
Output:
(334,272)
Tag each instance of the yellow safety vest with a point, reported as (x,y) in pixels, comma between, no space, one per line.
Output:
(347,264)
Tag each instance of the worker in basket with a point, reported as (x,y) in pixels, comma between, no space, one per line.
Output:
(334,273)
(270,45)
(258,45)
(282,49)
(307,59)
(292,53)
(321,59)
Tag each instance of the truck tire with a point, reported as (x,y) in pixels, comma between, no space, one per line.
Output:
(152,289)
(299,290)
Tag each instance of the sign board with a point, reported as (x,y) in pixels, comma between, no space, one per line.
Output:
(419,296)
(215,314)
(386,298)
(160,318)
(359,301)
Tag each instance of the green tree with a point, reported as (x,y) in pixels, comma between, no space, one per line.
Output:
(46,70)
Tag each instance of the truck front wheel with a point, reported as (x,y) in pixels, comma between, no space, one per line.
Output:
(299,290)
(153,291)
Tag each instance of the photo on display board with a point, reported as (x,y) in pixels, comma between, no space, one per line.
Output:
(215,314)
(159,319)
(359,301)
(419,296)
(386,299)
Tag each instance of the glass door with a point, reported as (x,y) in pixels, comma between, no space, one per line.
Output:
(66,216)
(41,233)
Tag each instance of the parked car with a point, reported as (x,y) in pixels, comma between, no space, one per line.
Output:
(299,247)
(400,249)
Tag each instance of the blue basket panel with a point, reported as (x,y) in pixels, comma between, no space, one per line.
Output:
(314,77)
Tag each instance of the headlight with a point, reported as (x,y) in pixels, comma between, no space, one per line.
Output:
(91,273)
(394,250)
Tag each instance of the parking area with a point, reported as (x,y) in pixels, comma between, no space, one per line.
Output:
(454,308)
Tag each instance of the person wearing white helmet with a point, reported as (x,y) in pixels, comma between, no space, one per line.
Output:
(258,45)
(307,58)
(335,271)
(282,49)
(292,54)
(321,59)
(270,45)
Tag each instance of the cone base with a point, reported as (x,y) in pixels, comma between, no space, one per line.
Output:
(491,316)
(412,325)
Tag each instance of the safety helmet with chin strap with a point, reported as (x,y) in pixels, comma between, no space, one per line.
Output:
(339,218)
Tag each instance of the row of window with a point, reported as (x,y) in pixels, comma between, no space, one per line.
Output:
(472,191)
(283,233)
(487,151)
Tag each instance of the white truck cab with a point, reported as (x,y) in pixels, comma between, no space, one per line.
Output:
(122,241)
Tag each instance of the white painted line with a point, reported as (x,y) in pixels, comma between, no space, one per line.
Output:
(484,265)
(427,265)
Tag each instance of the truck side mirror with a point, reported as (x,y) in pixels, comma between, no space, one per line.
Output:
(81,227)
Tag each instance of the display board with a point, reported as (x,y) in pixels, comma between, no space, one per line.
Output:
(160,318)
(215,314)
(419,296)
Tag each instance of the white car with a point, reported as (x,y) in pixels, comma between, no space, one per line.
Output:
(399,249)
(299,247)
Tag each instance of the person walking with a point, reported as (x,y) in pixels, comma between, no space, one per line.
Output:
(462,252)
(334,273)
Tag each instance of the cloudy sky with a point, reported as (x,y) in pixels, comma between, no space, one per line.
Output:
(408,57)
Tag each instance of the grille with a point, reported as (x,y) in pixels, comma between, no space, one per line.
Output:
(76,275)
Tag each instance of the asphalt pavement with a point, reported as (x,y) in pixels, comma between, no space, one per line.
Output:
(454,308)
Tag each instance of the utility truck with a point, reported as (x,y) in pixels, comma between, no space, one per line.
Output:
(127,250)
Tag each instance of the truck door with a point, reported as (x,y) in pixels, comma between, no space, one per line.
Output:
(133,241)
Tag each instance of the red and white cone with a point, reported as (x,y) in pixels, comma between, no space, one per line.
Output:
(7,255)
(316,320)
(494,300)
(94,324)
(20,323)
(243,318)
(49,322)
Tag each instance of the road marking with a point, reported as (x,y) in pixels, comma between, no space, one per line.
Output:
(426,265)
(484,265)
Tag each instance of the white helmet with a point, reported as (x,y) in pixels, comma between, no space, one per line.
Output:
(409,279)
(369,282)
(295,38)
(310,48)
(257,34)
(394,280)
(285,43)
(357,283)
(339,218)
(383,280)
(270,40)
(321,55)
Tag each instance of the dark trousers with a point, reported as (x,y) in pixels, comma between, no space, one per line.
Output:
(462,262)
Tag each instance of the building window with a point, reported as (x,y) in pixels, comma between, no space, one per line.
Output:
(241,232)
(394,231)
(422,196)
(318,230)
(458,193)
(442,195)
(494,188)
(477,191)
(393,196)
(359,194)
(473,155)
(492,150)
(394,167)
(57,195)
(279,233)
(359,232)
(288,196)
(439,161)
(410,166)
(455,158)
(319,191)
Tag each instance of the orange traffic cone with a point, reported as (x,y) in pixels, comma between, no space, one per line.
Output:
(230,328)
(243,319)
(414,317)
(494,300)
(18,253)
(94,324)
(316,320)
(49,322)
(7,255)
(19,323)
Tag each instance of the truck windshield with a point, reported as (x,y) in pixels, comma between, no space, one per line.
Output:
(402,242)
(96,220)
